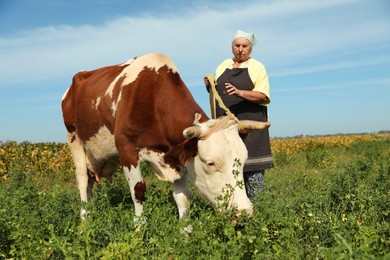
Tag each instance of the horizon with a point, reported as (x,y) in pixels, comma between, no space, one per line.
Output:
(382,132)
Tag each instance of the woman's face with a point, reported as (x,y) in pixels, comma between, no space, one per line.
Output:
(241,49)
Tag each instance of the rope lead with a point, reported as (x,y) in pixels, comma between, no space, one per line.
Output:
(215,96)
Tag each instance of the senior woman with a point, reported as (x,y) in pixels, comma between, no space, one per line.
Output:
(243,85)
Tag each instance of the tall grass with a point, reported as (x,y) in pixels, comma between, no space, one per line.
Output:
(319,203)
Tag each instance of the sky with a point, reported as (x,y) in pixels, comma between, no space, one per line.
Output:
(328,62)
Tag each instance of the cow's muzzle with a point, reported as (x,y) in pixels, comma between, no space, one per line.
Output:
(249,212)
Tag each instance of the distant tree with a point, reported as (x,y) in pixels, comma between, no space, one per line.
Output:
(9,143)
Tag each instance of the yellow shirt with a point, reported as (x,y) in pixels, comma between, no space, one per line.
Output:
(256,71)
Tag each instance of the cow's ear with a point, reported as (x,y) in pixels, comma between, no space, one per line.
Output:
(181,153)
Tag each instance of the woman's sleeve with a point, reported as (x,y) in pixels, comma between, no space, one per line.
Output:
(259,77)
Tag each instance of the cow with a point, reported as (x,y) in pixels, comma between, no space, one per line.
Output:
(142,111)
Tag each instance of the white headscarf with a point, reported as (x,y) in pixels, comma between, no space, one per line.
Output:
(249,36)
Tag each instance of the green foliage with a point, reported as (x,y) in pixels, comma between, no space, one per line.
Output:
(282,158)
(319,203)
(27,212)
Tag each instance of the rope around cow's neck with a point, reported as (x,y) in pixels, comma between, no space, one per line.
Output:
(218,98)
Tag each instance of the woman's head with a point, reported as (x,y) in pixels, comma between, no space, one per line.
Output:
(242,45)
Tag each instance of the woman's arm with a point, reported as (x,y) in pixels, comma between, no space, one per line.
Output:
(252,96)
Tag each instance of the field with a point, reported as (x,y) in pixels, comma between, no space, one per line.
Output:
(326,198)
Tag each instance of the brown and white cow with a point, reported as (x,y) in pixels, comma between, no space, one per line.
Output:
(141,110)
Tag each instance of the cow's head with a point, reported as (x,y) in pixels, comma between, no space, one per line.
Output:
(218,166)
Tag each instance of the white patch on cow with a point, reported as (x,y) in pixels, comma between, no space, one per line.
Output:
(127,62)
(133,176)
(96,103)
(115,104)
(123,73)
(160,168)
(100,148)
(130,73)
(110,88)
(65,94)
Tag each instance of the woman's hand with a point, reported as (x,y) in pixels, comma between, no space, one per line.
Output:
(207,83)
(252,96)
(232,90)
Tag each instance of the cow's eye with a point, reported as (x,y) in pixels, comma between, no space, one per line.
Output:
(212,167)
(210,164)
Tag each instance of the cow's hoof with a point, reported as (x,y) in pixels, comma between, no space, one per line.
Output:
(186,230)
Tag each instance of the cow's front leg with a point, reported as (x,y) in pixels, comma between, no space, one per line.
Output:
(182,196)
(137,188)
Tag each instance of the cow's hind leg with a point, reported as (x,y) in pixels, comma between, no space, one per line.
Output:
(137,188)
(84,182)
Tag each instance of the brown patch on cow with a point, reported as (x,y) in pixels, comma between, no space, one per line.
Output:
(139,191)
(73,138)
(68,112)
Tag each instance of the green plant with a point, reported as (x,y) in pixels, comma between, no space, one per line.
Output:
(335,206)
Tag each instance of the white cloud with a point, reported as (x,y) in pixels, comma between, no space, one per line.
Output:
(197,40)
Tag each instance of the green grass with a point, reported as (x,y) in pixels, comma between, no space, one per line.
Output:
(319,204)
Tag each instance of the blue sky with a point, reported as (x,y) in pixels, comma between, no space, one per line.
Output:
(328,61)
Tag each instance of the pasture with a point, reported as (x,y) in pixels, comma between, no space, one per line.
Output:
(326,198)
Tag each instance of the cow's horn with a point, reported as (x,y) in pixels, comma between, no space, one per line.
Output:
(249,124)
(197,118)
(192,131)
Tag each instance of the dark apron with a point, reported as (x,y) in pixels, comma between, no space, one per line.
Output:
(256,141)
